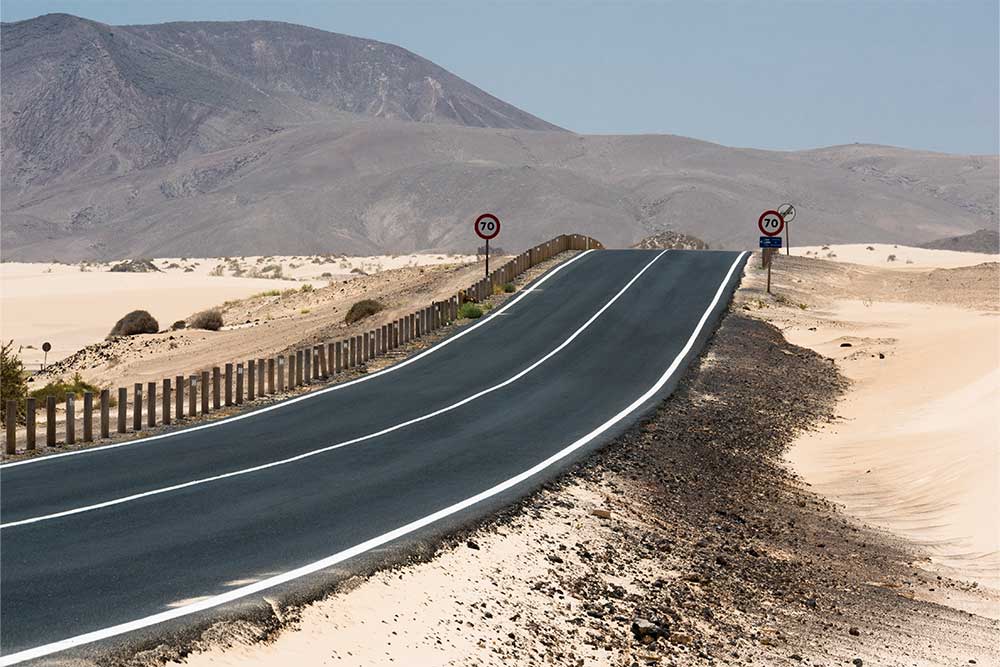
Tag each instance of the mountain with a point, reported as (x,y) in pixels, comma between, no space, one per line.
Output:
(981,240)
(199,139)
(81,98)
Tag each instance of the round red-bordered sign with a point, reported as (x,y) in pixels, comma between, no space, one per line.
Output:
(487,226)
(770,223)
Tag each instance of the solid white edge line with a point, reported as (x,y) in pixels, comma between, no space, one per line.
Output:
(312,394)
(328,448)
(385,538)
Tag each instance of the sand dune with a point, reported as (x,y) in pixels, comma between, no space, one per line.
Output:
(916,447)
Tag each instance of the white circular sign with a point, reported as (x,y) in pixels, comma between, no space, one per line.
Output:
(770,223)
(787,212)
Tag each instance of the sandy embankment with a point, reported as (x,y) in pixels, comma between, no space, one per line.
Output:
(916,447)
(72,306)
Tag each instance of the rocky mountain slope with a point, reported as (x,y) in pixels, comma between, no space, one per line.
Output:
(981,240)
(245,138)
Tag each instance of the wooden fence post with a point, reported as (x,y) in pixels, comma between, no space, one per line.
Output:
(239,383)
(29,422)
(270,375)
(251,378)
(137,407)
(292,371)
(305,365)
(11,446)
(207,388)
(193,396)
(338,352)
(324,370)
(88,416)
(260,377)
(70,419)
(216,387)
(166,401)
(179,397)
(50,421)
(122,409)
(281,373)
(105,413)
(151,402)
(229,384)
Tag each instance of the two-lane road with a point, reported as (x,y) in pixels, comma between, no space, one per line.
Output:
(108,541)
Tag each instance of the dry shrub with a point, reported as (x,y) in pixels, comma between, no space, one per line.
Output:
(136,322)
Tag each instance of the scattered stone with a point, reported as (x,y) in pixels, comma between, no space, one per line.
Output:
(854,632)
(601,514)
(472,545)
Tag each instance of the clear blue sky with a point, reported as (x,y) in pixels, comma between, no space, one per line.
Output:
(766,74)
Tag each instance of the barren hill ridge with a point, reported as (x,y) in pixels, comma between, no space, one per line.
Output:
(214,139)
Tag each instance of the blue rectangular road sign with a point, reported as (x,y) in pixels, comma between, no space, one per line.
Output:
(770,241)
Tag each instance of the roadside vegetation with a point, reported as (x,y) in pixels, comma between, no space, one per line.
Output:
(362,309)
(210,320)
(136,322)
(59,388)
(13,383)
(469,310)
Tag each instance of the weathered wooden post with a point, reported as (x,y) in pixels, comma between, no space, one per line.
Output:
(372,347)
(251,378)
(29,423)
(281,373)
(270,375)
(70,419)
(105,413)
(50,421)
(239,383)
(151,401)
(88,416)
(306,356)
(351,352)
(216,387)
(122,409)
(260,377)
(364,347)
(331,349)
(324,370)
(291,371)
(193,396)
(204,387)
(299,367)
(338,352)
(137,407)
(229,384)
(11,446)
(166,401)
(179,397)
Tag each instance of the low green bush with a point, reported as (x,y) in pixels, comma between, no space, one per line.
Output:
(60,388)
(470,311)
(136,322)
(508,287)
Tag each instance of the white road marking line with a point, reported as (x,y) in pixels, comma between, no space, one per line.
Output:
(367,545)
(329,448)
(313,394)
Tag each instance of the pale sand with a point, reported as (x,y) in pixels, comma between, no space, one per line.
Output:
(907,257)
(72,306)
(917,447)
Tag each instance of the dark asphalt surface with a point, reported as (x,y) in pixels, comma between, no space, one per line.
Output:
(71,575)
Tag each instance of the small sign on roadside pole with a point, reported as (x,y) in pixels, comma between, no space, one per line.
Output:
(787,213)
(487,227)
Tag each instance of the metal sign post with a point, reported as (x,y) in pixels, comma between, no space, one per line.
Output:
(787,213)
(770,223)
(487,227)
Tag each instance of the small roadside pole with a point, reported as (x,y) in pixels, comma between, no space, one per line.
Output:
(46,346)
(787,213)
(770,223)
(487,227)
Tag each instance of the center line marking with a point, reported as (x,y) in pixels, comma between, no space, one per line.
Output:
(385,538)
(346,443)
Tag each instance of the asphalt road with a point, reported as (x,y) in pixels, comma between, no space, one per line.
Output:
(474,422)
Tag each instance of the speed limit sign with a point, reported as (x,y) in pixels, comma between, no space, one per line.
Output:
(770,223)
(487,226)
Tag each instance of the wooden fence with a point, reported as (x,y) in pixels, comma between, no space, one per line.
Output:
(234,383)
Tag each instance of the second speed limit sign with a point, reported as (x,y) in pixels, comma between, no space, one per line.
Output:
(487,226)
(770,223)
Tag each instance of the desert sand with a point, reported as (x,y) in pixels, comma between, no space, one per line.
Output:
(905,257)
(72,306)
(916,445)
